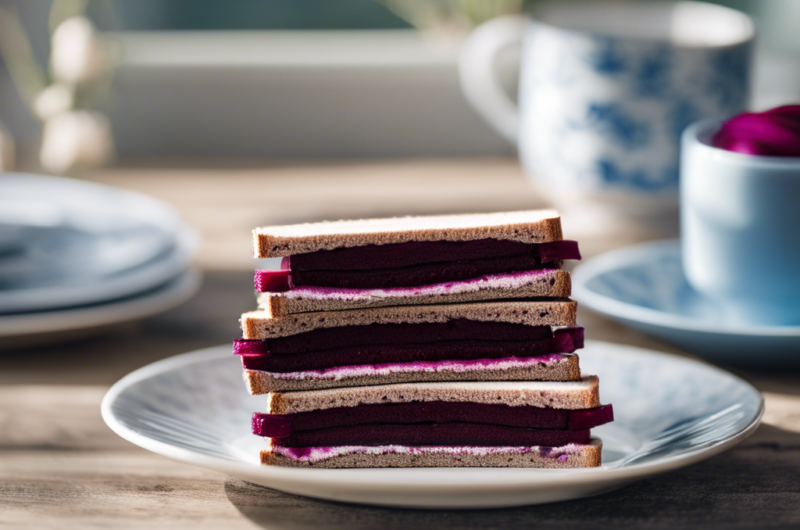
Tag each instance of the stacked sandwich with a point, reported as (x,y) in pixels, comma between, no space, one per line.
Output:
(420,342)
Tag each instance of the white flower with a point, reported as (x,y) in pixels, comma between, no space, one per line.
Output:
(76,139)
(77,52)
(53,100)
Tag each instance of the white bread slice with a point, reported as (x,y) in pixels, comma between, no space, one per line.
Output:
(260,325)
(582,394)
(564,457)
(533,226)
(534,284)
(565,369)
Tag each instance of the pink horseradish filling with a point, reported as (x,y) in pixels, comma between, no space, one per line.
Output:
(316,454)
(565,340)
(511,280)
(344,372)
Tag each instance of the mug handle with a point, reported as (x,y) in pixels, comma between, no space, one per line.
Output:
(477,73)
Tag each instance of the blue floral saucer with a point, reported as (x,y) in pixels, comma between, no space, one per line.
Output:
(643,287)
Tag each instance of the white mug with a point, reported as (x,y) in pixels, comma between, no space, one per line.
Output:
(740,230)
(606,88)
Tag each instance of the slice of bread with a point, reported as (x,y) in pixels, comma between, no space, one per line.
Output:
(533,226)
(258,382)
(260,325)
(581,394)
(534,284)
(565,457)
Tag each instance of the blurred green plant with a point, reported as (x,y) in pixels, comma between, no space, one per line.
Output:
(458,15)
(66,96)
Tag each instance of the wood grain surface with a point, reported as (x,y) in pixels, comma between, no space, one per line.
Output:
(62,468)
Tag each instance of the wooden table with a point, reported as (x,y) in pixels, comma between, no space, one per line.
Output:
(61,467)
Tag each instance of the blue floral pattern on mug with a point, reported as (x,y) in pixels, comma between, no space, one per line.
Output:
(608,112)
(614,121)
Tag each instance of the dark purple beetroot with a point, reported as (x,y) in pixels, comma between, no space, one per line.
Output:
(372,257)
(588,418)
(382,334)
(564,341)
(272,281)
(431,434)
(282,425)
(418,275)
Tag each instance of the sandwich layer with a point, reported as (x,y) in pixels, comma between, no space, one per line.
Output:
(582,394)
(544,283)
(430,434)
(373,257)
(418,275)
(384,334)
(564,457)
(535,226)
(552,367)
(260,325)
(283,425)
(565,340)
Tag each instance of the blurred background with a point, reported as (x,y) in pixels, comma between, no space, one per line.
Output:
(314,78)
(254,112)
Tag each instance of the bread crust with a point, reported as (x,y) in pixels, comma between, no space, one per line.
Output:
(571,395)
(551,284)
(532,226)
(259,382)
(578,456)
(261,325)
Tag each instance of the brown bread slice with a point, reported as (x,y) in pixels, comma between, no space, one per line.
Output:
(533,226)
(564,457)
(566,370)
(581,394)
(260,325)
(548,284)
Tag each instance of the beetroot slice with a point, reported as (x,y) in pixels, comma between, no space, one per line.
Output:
(372,257)
(282,425)
(564,341)
(382,334)
(588,418)
(273,281)
(268,281)
(431,434)
(418,275)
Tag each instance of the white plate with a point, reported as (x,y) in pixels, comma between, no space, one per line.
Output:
(670,412)
(643,286)
(65,243)
(45,326)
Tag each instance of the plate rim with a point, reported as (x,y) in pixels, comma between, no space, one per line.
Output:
(617,258)
(171,293)
(330,477)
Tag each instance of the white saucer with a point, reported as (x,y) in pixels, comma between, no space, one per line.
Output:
(670,412)
(48,326)
(643,287)
(67,243)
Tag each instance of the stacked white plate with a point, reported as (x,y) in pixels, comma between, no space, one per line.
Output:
(78,256)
